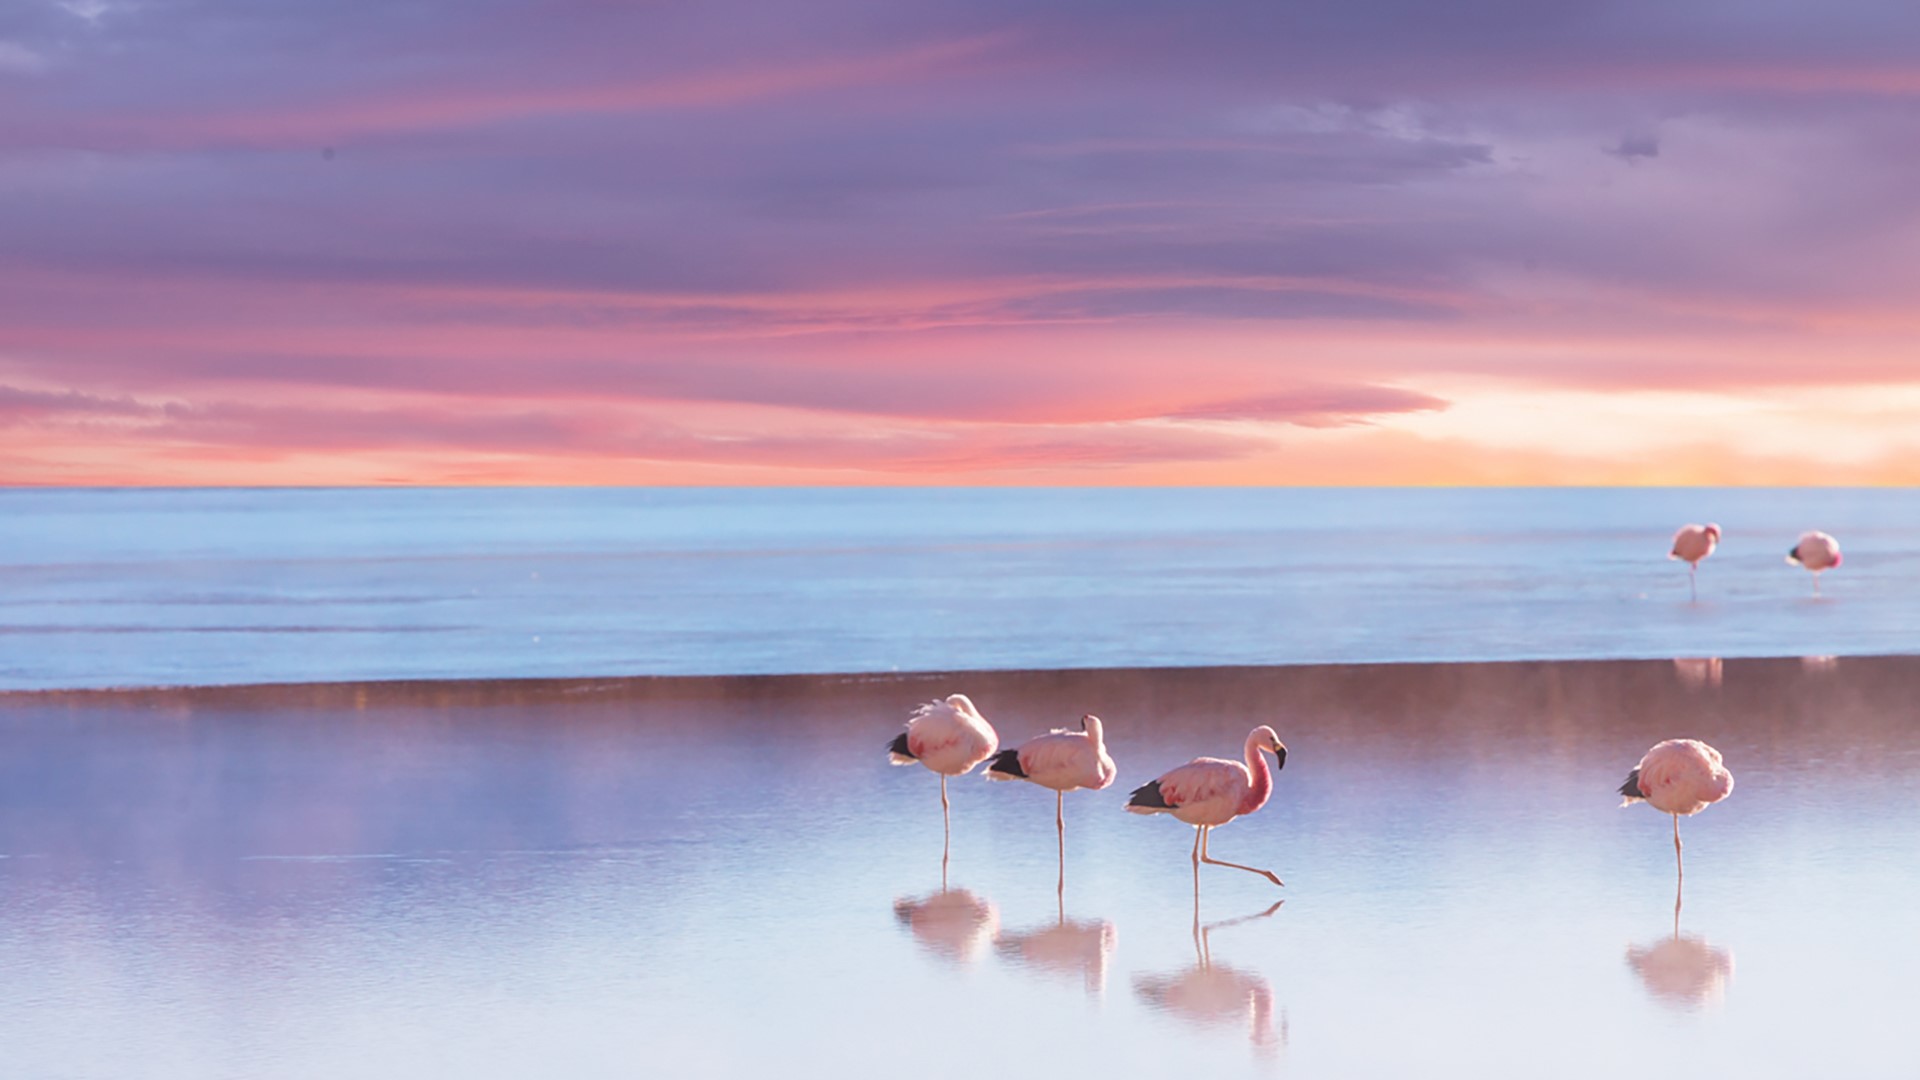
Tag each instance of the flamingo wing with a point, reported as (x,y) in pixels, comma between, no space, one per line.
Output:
(1062,756)
(1203,791)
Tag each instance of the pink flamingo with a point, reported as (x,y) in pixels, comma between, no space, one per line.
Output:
(1817,552)
(1064,761)
(1679,776)
(950,737)
(1693,543)
(1208,792)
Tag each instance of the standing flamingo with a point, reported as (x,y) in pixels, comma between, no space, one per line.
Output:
(1817,552)
(950,737)
(1693,543)
(1064,761)
(1207,792)
(1679,776)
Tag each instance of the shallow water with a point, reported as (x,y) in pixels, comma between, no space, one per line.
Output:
(153,588)
(725,878)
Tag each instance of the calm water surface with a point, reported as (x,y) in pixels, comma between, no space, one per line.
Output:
(151,588)
(725,878)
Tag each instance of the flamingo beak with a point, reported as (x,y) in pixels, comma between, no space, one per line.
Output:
(1279,755)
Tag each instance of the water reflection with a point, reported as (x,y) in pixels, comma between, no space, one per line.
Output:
(1070,947)
(1682,971)
(953,924)
(1210,995)
(1698,672)
(1819,665)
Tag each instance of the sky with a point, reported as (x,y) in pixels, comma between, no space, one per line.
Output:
(959,242)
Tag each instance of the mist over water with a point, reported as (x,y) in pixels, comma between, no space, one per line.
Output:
(151,588)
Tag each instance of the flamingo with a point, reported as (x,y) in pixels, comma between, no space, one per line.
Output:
(1208,792)
(1693,543)
(1064,761)
(1817,552)
(950,737)
(1679,776)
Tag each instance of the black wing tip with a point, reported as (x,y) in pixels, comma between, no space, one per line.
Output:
(1631,789)
(1007,763)
(899,746)
(1148,794)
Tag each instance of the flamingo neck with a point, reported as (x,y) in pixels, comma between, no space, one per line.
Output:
(1262,780)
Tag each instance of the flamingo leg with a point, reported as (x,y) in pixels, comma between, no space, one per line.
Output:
(946,828)
(1693,589)
(1060,826)
(1816,583)
(1205,858)
(1680,869)
(1199,831)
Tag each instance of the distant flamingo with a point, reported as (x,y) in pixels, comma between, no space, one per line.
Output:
(1064,761)
(1679,776)
(1207,792)
(1817,552)
(1693,543)
(950,737)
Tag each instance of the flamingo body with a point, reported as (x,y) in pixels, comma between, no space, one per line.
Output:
(950,737)
(1694,542)
(1209,792)
(1816,551)
(1691,544)
(1679,776)
(1061,759)
(1064,761)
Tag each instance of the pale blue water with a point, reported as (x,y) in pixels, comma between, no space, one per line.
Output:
(164,587)
(726,879)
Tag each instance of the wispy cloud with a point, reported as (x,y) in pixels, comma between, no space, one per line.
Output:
(979,238)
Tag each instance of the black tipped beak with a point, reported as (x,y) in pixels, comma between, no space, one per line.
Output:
(1793,553)
(1279,757)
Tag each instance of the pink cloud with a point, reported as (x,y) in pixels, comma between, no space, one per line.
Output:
(1316,406)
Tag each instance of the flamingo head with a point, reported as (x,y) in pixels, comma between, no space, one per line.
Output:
(1267,739)
(1713,532)
(1091,725)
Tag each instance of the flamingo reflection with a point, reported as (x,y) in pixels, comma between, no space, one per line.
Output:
(1070,947)
(1698,672)
(1211,995)
(953,924)
(1683,972)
